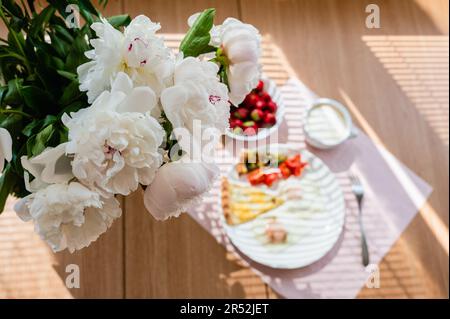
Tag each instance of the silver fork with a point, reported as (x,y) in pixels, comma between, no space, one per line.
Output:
(358,190)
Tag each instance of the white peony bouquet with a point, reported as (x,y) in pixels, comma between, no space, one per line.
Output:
(95,111)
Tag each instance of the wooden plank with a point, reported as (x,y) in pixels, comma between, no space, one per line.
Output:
(173,14)
(330,49)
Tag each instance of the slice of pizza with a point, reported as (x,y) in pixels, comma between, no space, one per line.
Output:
(243,203)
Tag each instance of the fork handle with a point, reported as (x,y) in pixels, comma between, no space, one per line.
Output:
(365,250)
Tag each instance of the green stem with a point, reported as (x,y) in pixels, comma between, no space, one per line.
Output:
(9,111)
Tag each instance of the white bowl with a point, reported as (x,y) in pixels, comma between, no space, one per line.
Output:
(341,109)
(271,88)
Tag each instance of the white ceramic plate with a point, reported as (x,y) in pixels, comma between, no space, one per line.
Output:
(314,223)
(271,88)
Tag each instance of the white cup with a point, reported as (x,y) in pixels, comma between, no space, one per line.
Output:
(321,143)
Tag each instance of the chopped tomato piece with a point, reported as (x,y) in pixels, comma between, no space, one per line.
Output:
(298,170)
(293,161)
(271,178)
(285,171)
(256,177)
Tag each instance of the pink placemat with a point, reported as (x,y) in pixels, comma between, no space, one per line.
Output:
(394,195)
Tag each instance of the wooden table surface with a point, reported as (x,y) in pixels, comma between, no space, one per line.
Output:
(395,82)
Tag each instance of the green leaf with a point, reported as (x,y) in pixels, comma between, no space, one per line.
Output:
(103,3)
(13,8)
(38,99)
(75,106)
(87,5)
(13,95)
(58,45)
(31,127)
(3,89)
(196,40)
(41,140)
(7,181)
(87,10)
(34,126)
(71,93)
(68,75)
(39,22)
(12,122)
(47,75)
(16,165)
(63,33)
(16,40)
(76,55)
(63,135)
(119,20)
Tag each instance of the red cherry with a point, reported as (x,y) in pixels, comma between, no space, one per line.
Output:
(260,86)
(260,105)
(271,107)
(266,97)
(257,115)
(270,119)
(241,113)
(250,131)
(236,123)
(250,100)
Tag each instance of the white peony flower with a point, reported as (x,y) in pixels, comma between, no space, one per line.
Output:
(240,43)
(115,142)
(138,51)
(177,186)
(197,94)
(5,147)
(51,166)
(68,215)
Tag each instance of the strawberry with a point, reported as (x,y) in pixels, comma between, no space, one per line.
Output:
(257,115)
(299,170)
(285,171)
(293,162)
(271,178)
(241,113)
(269,119)
(256,177)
